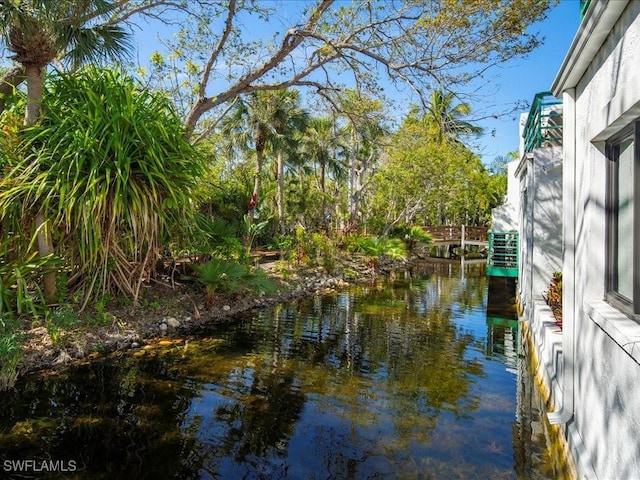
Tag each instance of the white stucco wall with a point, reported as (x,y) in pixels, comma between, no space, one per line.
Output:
(513,196)
(605,427)
(505,217)
(540,191)
(521,124)
(547,217)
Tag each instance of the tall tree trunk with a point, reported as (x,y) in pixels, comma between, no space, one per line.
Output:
(45,242)
(351,190)
(34,95)
(45,247)
(257,182)
(280,198)
(323,174)
(255,196)
(355,193)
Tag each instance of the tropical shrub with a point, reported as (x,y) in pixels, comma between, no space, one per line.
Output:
(109,167)
(325,251)
(206,236)
(19,292)
(374,246)
(224,276)
(417,234)
(412,235)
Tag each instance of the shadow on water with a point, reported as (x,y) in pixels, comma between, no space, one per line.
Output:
(403,378)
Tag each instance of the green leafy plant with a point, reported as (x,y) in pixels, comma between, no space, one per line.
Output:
(415,235)
(258,280)
(303,246)
(110,169)
(325,251)
(286,244)
(58,320)
(252,230)
(224,276)
(218,275)
(54,332)
(10,356)
(373,246)
(101,348)
(394,248)
(19,291)
(207,235)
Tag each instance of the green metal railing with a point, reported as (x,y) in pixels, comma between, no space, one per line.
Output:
(584,4)
(544,123)
(502,259)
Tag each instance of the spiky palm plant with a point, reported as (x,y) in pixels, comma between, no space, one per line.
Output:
(37,32)
(220,275)
(111,166)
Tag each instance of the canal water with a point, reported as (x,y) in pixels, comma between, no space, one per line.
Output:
(417,376)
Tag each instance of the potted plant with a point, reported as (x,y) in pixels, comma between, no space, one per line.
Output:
(554,297)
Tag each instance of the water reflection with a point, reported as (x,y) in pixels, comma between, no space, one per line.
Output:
(502,321)
(398,379)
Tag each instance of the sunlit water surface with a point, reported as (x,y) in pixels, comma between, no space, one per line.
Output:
(411,377)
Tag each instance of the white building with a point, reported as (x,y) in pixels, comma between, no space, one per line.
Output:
(593,366)
(538,176)
(533,204)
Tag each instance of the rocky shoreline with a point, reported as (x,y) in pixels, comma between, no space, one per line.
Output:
(180,313)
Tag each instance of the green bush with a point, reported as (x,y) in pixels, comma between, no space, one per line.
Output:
(376,247)
(417,234)
(110,169)
(10,356)
(206,235)
(19,292)
(325,251)
(411,235)
(224,276)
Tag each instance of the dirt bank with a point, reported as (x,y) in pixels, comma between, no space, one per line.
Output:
(178,311)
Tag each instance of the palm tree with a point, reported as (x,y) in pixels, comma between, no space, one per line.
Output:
(38,32)
(289,121)
(447,118)
(321,144)
(266,119)
(111,167)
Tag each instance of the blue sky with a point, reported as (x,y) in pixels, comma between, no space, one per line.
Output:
(523,78)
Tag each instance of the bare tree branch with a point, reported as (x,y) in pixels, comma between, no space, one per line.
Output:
(422,44)
(290,42)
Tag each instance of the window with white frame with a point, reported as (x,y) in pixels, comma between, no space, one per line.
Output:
(623,221)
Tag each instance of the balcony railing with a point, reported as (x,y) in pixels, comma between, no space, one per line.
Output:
(584,4)
(502,258)
(544,123)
